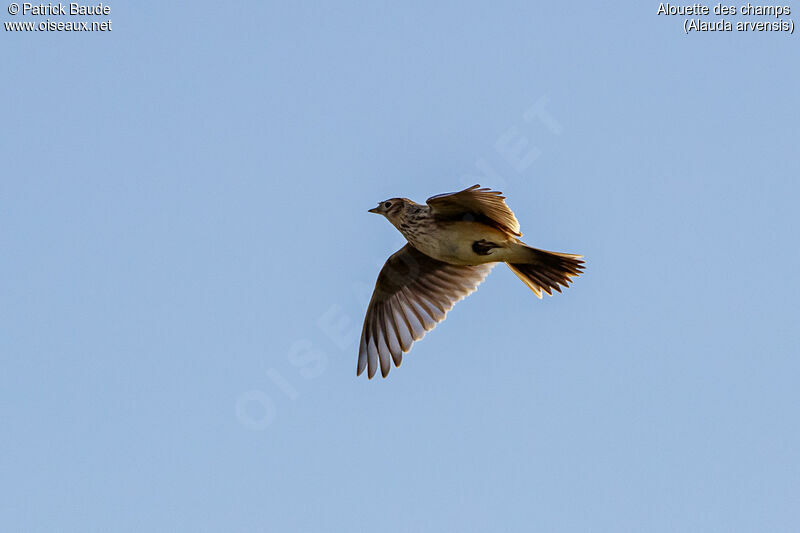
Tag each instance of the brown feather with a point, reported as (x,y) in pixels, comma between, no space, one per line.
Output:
(415,287)
(478,204)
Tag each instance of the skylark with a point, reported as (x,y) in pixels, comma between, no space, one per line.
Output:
(453,243)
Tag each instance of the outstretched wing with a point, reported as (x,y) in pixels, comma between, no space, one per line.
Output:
(413,293)
(478,202)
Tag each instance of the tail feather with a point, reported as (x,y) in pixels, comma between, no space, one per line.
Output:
(547,271)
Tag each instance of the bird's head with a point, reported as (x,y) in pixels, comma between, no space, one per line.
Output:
(391,209)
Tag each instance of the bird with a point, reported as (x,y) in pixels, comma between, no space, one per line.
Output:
(453,242)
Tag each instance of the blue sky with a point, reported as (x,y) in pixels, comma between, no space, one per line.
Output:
(187,257)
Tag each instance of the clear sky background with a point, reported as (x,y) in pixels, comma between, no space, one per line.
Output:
(186,257)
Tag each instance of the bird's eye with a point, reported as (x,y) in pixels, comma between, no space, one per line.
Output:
(387,205)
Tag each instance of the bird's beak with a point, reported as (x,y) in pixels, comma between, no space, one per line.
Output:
(373,210)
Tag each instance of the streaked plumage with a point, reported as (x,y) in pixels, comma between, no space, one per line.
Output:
(453,243)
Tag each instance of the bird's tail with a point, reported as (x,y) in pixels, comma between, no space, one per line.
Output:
(546,271)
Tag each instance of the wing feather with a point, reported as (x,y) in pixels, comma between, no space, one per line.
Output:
(478,203)
(413,293)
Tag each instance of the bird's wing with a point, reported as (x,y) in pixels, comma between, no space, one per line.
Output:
(476,201)
(413,293)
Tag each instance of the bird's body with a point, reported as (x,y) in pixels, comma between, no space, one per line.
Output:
(453,242)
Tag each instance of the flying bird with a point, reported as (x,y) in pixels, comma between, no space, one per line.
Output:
(453,243)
